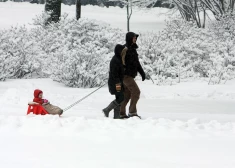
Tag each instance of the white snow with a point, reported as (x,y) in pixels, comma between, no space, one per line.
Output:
(12,13)
(185,125)
(188,125)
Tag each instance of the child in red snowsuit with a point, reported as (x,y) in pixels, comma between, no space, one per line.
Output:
(51,109)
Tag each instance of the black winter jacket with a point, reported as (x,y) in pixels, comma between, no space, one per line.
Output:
(132,64)
(116,70)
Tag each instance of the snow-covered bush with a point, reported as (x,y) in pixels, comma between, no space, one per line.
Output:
(41,20)
(18,54)
(223,67)
(183,51)
(77,53)
(173,53)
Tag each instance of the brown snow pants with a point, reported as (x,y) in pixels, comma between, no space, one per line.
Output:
(131,91)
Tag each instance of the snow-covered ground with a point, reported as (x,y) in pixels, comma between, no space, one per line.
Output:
(149,20)
(188,125)
(185,125)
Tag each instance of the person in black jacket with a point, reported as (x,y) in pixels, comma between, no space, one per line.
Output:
(132,65)
(115,82)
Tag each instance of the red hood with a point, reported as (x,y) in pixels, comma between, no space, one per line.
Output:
(37,92)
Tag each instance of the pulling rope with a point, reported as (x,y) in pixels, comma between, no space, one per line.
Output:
(151,78)
(67,108)
(82,98)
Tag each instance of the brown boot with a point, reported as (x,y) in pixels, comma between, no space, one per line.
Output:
(134,115)
(124,117)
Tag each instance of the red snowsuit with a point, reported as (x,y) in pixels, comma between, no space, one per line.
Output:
(36,98)
(51,109)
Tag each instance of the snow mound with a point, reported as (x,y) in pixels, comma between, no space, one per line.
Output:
(80,126)
(198,89)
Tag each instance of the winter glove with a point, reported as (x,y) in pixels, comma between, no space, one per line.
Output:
(118,87)
(45,101)
(143,76)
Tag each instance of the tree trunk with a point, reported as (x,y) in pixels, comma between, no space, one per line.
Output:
(78,9)
(204,18)
(129,13)
(53,7)
(128,18)
(232,5)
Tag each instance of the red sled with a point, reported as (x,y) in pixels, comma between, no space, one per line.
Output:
(36,109)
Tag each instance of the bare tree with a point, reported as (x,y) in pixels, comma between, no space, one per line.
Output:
(219,7)
(129,13)
(129,5)
(192,9)
(78,9)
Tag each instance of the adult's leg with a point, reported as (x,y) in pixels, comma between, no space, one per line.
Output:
(134,94)
(127,96)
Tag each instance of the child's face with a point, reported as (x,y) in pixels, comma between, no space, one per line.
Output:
(40,95)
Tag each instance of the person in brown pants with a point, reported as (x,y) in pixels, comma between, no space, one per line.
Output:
(131,63)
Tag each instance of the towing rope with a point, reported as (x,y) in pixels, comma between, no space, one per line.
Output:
(67,108)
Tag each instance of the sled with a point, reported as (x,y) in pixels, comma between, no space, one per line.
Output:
(36,109)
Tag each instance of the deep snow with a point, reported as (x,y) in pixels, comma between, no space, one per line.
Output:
(185,125)
(188,125)
(183,101)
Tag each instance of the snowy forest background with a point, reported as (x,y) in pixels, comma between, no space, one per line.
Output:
(197,42)
(107,3)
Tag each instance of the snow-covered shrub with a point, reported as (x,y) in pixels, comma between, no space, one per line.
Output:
(173,53)
(223,67)
(77,53)
(183,51)
(41,20)
(18,54)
